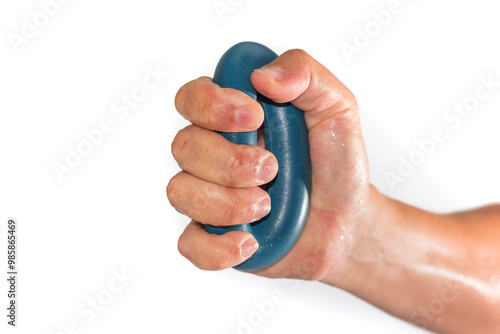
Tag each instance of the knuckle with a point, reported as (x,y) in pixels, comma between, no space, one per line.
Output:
(173,190)
(185,248)
(200,202)
(352,101)
(211,106)
(235,213)
(212,118)
(182,246)
(198,100)
(242,165)
(233,167)
(224,258)
(179,98)
(180,143)
(301,55)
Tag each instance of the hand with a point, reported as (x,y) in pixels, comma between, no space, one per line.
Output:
(220,181)
(414,264)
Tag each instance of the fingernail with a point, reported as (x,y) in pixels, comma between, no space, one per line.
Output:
(248,247)
(267,169)
(274,72)
(262,209)
(245,116)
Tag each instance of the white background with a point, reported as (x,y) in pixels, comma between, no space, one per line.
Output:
(111,212)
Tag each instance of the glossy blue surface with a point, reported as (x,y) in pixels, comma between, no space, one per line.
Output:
(286,136)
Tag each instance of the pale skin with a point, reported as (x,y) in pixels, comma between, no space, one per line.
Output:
(438,271)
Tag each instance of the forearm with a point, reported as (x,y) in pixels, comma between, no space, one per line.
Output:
(441,272)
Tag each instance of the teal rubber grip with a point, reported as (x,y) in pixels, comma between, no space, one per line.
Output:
(286,136)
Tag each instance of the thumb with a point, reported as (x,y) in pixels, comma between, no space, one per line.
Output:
(298,78)
(338,157)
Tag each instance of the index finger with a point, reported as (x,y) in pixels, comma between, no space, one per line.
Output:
(209,106)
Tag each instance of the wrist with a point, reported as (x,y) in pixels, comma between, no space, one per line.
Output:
(363,242)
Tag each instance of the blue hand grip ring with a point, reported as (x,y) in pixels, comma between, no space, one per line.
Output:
(286,136)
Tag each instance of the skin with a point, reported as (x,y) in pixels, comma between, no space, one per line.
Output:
(440,272)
